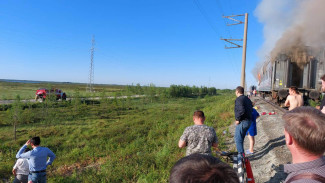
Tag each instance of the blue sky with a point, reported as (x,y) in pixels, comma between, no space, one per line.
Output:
(162,42)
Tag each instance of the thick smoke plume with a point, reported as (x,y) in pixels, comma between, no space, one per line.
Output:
(292,27)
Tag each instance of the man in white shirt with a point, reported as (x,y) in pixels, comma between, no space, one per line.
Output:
(21,170)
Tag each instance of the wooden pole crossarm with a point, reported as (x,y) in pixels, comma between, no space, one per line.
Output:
(230,18)
(233,16)
(230,41)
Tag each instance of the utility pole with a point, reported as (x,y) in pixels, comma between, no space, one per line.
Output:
(242,83)
(91,68)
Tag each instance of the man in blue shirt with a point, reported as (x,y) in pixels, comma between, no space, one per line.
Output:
(37,159)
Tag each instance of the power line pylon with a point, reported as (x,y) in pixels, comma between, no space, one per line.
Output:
(242,83)
(91,68)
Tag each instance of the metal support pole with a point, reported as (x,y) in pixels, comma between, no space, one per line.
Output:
(242,83)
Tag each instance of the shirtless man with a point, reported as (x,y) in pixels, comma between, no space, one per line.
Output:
(294,99)
(322,106)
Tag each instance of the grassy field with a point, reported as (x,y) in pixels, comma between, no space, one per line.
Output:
(9,90)
(110,140)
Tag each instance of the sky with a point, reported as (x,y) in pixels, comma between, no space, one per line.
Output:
(160,42)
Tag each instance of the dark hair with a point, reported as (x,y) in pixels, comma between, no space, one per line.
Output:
(294,88)
(26,150)
(240,89)
(306,125)
(202,169)
(35,140)
(199,114)
(323,77)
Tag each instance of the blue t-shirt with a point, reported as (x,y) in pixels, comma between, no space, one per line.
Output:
(252,129)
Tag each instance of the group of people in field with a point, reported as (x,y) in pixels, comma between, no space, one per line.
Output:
(31,165)
(304,131)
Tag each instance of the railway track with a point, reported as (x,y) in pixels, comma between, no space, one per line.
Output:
(273,104)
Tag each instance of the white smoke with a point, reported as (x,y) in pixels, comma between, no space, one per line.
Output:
(277,16)
(289,25)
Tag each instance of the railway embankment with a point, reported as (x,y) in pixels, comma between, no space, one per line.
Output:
(270,151)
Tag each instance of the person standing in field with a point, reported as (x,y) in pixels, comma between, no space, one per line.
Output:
(38,160)
(304,131)
(252,131)
(243,115)
(322,105)
(294,99)
(21,170)
(198,138)
(254,92)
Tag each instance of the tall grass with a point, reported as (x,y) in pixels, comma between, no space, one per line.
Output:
(118,140)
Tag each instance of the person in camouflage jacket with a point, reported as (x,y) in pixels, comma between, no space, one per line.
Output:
(198,138)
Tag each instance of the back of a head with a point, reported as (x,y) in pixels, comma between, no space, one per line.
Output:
(295,89)
(202,169)
(26,150)
(35,140)
(240,89)
(323,77)
(307,127)
(199,114)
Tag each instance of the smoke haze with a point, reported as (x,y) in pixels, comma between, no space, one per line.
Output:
(290,26)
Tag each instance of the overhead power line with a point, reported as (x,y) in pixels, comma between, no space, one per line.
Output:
(238,46)
(91,68)
(206,17)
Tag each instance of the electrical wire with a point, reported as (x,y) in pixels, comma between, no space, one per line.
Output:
(205,16)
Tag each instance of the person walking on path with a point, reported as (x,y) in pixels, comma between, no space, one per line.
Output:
(252,131)
(198,138)
(304,131)
(294,99)
(39,159)
(21,170)
(322,105)
(243,115)
(254,92)
(248,94)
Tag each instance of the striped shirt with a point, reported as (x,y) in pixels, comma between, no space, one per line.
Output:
(316,166)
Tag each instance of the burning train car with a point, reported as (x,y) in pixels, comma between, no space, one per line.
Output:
(299,67)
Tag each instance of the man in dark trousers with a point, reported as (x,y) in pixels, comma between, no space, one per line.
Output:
(38,158)
(243,115)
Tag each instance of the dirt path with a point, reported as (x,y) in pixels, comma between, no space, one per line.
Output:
(270,151)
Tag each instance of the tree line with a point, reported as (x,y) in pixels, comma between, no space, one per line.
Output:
(174,91)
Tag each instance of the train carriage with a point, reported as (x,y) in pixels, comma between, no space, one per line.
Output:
(275,77)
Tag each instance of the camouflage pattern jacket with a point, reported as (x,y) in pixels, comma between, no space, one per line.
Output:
(199,139)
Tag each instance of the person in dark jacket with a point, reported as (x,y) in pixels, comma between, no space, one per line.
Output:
(243,115)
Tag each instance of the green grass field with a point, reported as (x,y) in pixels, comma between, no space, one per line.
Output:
(110,140)
(9,90)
